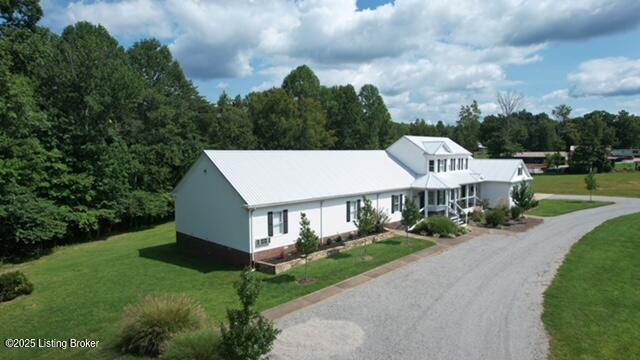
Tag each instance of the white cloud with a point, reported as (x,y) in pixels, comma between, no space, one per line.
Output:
(606,77)
(427,57)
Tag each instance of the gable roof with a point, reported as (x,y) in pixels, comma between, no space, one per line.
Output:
(438,145)
(274,177)
(501,170)
(447,180)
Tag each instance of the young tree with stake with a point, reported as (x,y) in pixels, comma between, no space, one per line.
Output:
(591,184)
(249,336)
(307,242)
(410,215)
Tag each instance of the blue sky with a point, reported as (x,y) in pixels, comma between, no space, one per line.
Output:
(427,58)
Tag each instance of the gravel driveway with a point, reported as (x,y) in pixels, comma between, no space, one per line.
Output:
(479,300)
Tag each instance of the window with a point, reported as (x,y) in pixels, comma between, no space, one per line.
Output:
(431,165)
(460,163)
(463,191)
(439,165)
(396,203)
(519,170)
(278,222)
(466,163)
(445,165)
(263,242)
(472,190)
(353,208)
(441,197)
(432,198)
(452,164)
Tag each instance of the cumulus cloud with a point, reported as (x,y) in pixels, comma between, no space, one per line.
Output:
(427,57)
(606,77)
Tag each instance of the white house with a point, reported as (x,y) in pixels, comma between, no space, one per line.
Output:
(242,206)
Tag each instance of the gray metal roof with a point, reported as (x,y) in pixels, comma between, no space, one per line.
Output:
(274,177)
(502,170)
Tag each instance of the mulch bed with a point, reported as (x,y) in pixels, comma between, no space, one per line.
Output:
(523,224)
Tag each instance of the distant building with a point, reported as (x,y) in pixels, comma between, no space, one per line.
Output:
(535,160)
(624,154)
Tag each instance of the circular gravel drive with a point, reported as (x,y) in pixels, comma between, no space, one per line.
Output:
(479,300)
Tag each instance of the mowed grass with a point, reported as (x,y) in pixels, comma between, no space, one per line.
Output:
(592,308)
(82,290)
(553,207)
(610,184)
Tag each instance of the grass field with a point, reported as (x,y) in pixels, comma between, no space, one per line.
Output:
(592,308)
(611,184)
(81,291)
(553,207)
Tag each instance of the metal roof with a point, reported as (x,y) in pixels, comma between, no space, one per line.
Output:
(273,177)
(438,145)
(447,180)
(502,170)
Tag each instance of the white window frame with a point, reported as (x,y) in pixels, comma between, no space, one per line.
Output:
(277,223)
(353,210)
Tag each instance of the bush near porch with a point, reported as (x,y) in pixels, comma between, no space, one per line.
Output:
(438,225)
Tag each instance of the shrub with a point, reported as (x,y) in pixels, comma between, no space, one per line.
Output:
(523,196)
(194,345)
(382,219)
(14,284)
(477,216)
(148,325)
(437,225)
(442,226)
(516,212)
(497,217)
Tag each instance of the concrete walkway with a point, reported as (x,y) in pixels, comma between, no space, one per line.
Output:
(481,299)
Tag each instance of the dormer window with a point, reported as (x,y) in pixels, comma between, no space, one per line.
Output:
(452,164)
(445,165)
(431,165)
(519,170)
(466,163)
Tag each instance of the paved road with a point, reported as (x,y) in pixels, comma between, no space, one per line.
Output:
(479,300)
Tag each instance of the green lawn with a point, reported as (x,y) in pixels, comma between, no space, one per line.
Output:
(80,291)
(592,308)
(553,207)
(612,184)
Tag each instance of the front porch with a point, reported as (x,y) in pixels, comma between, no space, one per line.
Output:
(454,203)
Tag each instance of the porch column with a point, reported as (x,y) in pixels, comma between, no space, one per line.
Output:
(446,201)
(466,200)
(426,203)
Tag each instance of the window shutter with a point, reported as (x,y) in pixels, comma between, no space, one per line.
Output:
(393,204)
(285,221)
(270,223)
(401,198)
(358,209)
(348,212)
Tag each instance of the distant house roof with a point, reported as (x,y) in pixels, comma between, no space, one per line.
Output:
(274,177)
(502,170)
(438,145)
(537,154)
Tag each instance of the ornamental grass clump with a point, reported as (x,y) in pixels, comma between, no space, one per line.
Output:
(148,325)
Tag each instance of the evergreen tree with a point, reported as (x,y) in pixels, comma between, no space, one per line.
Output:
(468,126)
(307,242)
(410,216)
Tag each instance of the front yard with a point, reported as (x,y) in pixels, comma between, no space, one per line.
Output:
(592,308)
(555,207)
(81,291)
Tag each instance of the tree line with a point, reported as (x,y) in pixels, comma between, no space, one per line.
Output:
(93,136)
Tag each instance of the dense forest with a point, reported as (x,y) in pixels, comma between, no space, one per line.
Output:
(93,136)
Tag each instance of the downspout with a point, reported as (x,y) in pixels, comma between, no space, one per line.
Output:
(252,259)
(321,226)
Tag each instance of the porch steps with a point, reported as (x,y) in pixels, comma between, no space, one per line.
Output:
(456,219)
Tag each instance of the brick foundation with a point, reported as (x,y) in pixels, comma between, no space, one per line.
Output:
(212,251)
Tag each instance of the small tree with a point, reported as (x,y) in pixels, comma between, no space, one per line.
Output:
(591,184)
(410,215)
(307,242)
(366,221)
(523,196)
(249,336)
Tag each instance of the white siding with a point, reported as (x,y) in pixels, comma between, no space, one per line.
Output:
(333,218)
(496,193)
(209,208)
